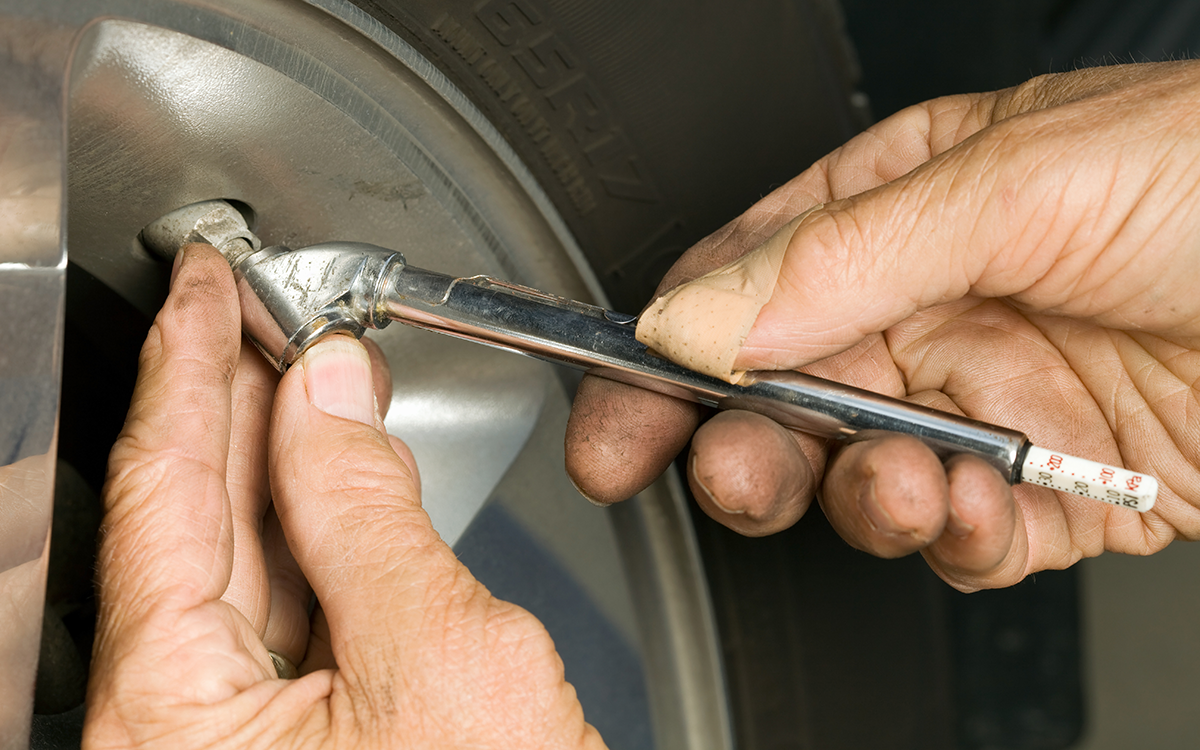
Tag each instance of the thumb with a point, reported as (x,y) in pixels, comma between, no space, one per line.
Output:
(844,270)
(348,498)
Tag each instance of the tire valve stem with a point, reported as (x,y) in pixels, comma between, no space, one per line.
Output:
(291,298)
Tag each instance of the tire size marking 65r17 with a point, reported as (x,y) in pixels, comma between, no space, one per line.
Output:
(561,77)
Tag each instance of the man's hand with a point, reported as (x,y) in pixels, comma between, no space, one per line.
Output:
(200,575)
(1028,258)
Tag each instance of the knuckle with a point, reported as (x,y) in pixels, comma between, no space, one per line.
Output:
(1036,93)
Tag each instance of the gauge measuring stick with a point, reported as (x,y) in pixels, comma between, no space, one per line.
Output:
(1079,476)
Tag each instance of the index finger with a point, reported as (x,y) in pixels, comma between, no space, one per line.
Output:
(165,496)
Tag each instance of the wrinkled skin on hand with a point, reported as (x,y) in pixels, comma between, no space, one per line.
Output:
(1027,257)
(213,533)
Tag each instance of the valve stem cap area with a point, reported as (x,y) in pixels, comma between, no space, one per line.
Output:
(1079,476)
(215,222)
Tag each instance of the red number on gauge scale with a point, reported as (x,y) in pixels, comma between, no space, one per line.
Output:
(1107,475)
(1054,462)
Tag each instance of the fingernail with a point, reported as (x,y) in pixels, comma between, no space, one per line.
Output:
(879,519)
(712,497)
(957,526)
(337,376)
(585,495)
(176,265)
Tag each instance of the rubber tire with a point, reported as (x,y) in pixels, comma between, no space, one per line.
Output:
(649,124)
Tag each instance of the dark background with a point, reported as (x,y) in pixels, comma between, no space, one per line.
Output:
(912,51)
